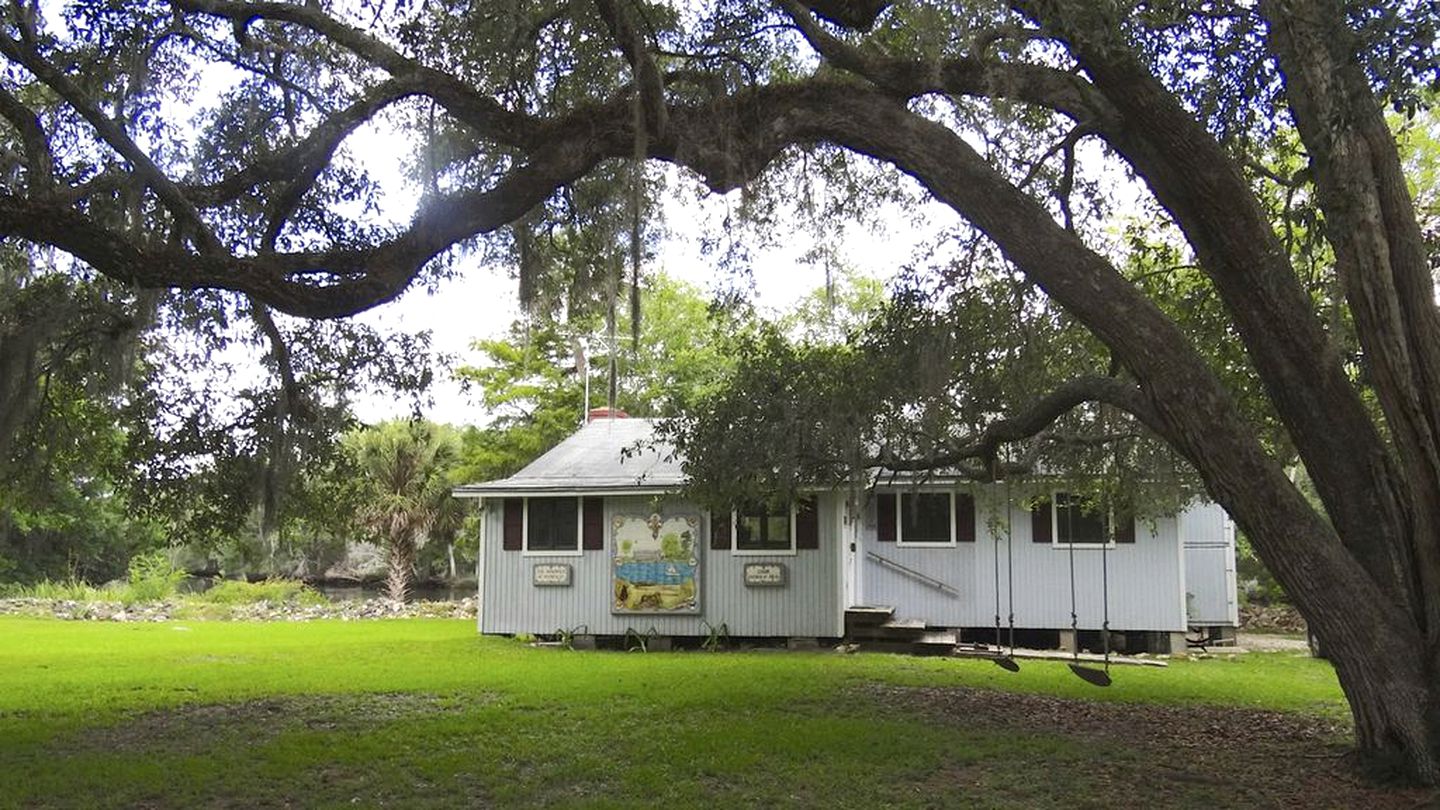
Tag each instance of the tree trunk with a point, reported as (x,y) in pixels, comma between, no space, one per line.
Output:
(1378,651)
(401,567)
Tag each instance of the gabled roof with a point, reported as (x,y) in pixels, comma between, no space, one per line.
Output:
(606,455)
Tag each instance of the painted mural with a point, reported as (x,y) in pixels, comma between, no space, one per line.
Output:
(655,563)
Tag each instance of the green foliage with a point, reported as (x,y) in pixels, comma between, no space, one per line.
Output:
(405,481)
(532,387)
(152,578)
(912,387)
(275,591)
(67,590)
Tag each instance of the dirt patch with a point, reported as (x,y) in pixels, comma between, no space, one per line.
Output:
(192,728)
(1166,755)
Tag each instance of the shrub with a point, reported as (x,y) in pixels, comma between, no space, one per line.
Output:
(274,591)
(153,578)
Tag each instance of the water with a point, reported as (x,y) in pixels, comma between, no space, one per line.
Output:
(351,592)
(418,593)
(662,572)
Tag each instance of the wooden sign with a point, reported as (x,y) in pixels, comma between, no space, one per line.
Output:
(551,575)
(765,575)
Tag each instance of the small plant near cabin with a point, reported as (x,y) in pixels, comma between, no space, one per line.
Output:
(716,636)
(638,642)
(567,637)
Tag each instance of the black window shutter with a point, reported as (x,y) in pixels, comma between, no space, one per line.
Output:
(592,524)
(1040,522)
(720,531)
(807,524)
(964,517)
(885,517)
(512,538)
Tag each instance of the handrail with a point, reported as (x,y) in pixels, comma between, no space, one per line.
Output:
(911,572)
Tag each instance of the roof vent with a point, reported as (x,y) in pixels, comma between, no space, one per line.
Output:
(605,413)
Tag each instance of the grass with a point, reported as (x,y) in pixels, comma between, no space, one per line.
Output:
(423,713)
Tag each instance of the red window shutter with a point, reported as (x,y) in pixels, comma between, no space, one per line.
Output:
(807,524)
(885,517)
(1040,531)
(512,538)
(592,524)
(964,517)
(720,531)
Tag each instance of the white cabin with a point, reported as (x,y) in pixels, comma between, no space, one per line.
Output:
(590,539)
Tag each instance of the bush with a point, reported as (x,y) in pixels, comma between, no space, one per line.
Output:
(274,591)
(153,578)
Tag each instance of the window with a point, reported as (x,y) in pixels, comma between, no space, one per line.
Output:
(760,529)
(552,525)
(926,518)
(1076,524)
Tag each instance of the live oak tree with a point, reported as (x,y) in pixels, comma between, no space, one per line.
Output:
(514,105)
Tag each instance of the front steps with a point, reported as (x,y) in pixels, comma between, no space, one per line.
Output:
(876,629)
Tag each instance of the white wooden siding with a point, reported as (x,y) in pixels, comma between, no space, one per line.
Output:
(1146,590)
(1209,540)
(809,605)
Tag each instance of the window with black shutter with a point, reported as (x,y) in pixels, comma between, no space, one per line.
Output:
(552,524)
(926,519)
(760,528)
(1078,522)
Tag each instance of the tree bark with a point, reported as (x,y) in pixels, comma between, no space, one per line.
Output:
(400,565)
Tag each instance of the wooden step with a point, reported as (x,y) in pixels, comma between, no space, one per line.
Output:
(868,614)
(903,624)
(905,630)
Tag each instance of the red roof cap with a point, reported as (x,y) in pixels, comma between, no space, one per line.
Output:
(605,413)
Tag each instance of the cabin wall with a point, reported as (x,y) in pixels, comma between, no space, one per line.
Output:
(808,605)
(1210,582)
(1146,578)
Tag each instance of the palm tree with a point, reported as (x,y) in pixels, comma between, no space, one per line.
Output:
(403,469)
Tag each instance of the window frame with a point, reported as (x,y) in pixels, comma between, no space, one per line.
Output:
(735,549)
(525,549)
(1107,526)
(949,521)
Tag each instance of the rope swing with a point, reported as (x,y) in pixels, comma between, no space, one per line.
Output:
(1087,674)
(1005,660)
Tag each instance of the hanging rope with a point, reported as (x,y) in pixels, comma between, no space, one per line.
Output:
(1005,660)
(1010,560)
(1087,674)
(1105,595)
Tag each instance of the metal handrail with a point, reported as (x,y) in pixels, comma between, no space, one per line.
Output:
(911,572)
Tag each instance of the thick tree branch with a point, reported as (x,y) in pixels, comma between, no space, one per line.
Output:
(1054,89)
(39,161)
(115,137)
(478,111)
(1031,422)
(647,76)
(1196,180)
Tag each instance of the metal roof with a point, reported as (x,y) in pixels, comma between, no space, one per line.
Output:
(606,455)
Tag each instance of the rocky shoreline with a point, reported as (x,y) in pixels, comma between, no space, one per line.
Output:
(180,609)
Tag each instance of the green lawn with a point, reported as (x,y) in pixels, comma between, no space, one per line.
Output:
(426,713)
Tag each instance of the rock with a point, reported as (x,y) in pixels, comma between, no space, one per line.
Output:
(260,611)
